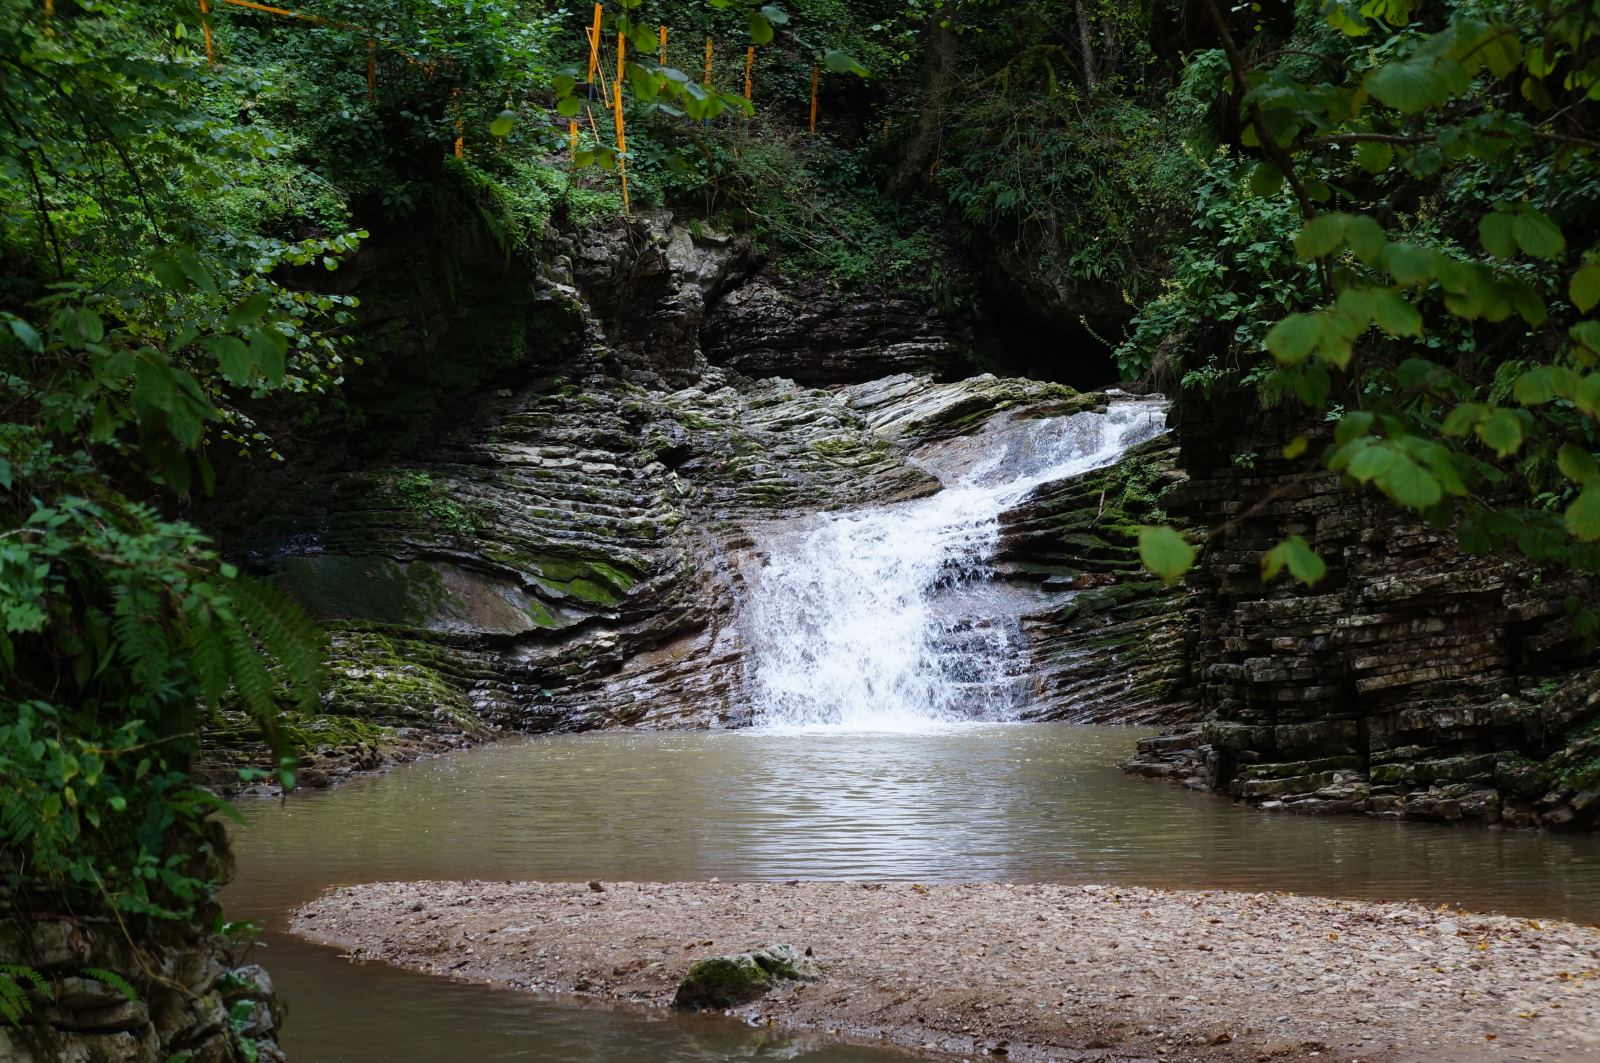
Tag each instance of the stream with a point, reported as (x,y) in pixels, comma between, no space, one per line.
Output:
(883,664)
(995,802)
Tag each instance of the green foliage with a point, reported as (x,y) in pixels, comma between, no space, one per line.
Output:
(115,981)
(816,202)
(420,494)
(147,304)
(1077,185)
(1295,554)
(15,979)
(1446,217)
(1231,278)
(1165,552)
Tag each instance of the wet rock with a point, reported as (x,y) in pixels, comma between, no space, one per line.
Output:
(730,981)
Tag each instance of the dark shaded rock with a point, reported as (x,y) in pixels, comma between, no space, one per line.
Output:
(806,331)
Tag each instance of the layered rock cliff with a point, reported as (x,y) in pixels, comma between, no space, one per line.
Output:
(565,552)
(1412,682)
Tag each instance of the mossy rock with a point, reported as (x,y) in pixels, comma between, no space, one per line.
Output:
(730,981)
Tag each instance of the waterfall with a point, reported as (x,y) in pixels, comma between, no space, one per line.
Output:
(885,619)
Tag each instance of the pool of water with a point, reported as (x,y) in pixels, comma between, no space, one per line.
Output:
(1009,803)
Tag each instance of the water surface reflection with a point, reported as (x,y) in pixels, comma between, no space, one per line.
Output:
(1015,803)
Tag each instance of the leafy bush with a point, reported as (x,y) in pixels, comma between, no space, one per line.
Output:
(1440,183)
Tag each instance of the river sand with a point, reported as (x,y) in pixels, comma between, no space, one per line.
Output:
(1025,972)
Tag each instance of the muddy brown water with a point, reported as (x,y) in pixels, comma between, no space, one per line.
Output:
(1006,803)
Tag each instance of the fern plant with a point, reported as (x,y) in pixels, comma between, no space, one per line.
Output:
(115,981)
(14,999)
(120,626)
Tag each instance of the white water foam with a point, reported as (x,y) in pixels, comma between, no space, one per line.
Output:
(884,619)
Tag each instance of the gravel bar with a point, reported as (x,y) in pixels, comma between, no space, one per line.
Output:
(1025,972)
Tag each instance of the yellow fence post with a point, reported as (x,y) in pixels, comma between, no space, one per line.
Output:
(749,65)
(455,96)
(662,57)
(708,62)
(622,136)
(816,75)
(205,31)
(572,138)
(594,43)
(622,149)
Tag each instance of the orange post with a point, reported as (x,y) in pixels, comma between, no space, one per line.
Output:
(622,149)
(205,31)
(622,54)
(594,42)
(708,62)
(372,69)
(572,138)
(455,95)
(816,74)
(661,57)
(749,65)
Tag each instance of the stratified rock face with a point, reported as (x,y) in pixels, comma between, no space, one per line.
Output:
(1108,646)
(566,554)
(1414,681)
(807,331)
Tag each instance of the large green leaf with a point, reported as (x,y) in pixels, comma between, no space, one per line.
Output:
(1294,338)
(1577,464)
(1495,231)
(1394,314)
(1165,552)
(1537,235)
(1585,288)
(1501,432)
(1534,387)
(1321,235)
(234,358)
(1371,462)
(1583,516)
(1410,263)
(1295,554)
(1408,86)
(1365,238)
(1410,484)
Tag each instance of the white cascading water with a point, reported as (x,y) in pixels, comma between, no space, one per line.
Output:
(884,619)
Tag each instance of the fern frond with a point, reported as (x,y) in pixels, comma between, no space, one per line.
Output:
(250,676)
(18,821)
(289,636)
(115,981)
(208,654)
(141,636)
(14,1002)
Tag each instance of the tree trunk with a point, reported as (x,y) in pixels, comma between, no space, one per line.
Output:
(1086,42)
(921,149)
